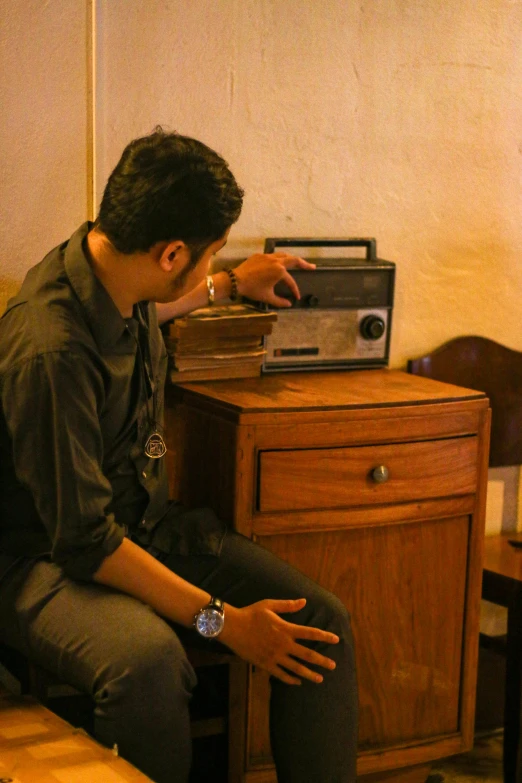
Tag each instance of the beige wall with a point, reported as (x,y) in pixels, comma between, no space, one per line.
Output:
(400,120)
(43,130)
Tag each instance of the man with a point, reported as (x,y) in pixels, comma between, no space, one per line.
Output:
(101,574)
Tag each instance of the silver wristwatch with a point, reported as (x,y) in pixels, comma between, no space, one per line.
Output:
(210,619)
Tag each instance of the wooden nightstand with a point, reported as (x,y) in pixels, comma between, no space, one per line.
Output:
(373,483)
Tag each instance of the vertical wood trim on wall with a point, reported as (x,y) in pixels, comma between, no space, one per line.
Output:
(519,500)
(92,19)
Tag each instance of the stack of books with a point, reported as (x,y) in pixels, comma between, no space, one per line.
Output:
(217,342)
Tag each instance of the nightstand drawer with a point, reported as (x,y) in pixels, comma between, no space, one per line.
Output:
(363,475)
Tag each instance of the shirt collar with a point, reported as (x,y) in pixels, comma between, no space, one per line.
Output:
(104,319)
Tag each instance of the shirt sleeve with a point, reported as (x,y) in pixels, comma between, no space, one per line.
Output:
(52,405)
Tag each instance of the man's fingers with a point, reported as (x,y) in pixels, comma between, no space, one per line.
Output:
(302,671)
(314,634)
(278,301)
(303,264)
(311,656)
(283,606)
(291,261)
(292,285)
(258,275)
(284,676)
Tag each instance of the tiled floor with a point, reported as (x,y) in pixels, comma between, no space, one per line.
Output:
(483,763)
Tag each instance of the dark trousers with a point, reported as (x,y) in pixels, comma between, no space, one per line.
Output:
(133,663)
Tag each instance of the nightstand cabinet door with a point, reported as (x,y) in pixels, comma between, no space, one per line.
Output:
(393,579)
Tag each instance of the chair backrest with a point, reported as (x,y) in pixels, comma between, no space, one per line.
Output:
(484,365)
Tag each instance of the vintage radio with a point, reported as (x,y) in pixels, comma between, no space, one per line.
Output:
(343,318)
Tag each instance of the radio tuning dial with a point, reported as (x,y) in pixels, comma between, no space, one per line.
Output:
(311,300)
(372,327)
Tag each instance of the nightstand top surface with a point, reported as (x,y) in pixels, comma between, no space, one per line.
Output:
(308,391)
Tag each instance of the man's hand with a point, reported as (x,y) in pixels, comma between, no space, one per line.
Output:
(258,275)
(258,635)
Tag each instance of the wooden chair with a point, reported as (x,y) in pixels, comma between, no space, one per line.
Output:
(224,718)
(17,666)
(482,364)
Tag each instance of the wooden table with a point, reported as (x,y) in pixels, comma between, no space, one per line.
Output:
(36,746)
(502,584)
(294,461)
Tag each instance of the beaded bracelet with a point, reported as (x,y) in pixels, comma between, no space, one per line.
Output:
(234,293)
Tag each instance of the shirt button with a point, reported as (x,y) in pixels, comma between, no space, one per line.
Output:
(143,523)
(144,473)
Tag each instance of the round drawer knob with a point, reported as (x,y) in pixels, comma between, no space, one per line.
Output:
(380,474)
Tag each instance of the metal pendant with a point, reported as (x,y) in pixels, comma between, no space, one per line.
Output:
(155,446)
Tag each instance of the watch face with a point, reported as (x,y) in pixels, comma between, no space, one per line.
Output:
(209,622)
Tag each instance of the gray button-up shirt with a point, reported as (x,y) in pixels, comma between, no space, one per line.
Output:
(78,403)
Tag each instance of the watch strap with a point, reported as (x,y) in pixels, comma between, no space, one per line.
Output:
(216,603)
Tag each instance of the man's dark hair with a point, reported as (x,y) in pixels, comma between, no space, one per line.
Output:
(166,187)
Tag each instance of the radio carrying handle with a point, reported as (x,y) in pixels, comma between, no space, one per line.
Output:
(369,243)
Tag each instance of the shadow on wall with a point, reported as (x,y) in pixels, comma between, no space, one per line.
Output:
(8,288)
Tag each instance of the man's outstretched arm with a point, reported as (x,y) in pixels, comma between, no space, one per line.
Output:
(256,279)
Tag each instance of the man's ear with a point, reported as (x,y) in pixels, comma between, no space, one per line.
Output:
(172,255)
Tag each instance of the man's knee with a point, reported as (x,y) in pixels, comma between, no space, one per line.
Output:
(329,613)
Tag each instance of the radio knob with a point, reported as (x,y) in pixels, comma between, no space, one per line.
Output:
(311,300)
(372,327)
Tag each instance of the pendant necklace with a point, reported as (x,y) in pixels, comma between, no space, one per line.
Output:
(155,446)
